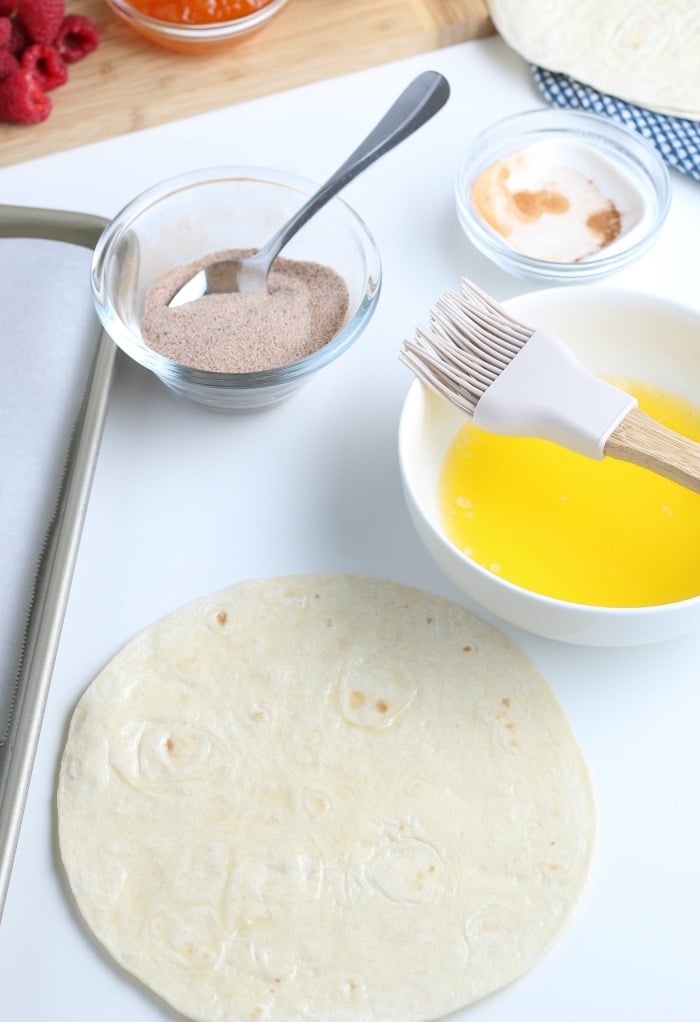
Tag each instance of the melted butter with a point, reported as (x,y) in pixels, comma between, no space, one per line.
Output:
(603,533)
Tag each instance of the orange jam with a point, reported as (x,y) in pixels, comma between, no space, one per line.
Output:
(198,12)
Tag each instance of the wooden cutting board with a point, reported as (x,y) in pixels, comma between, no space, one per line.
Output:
(129,83)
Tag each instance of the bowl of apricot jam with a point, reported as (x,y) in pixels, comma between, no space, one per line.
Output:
(196,26)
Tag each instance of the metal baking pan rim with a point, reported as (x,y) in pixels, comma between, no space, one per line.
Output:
(53,581)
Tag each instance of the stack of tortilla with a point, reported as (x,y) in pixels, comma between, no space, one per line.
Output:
(644,51)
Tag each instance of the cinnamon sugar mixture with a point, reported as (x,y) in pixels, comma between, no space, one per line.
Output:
(304,308)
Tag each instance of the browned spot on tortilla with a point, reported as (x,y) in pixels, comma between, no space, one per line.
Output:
(423,873)
(222,617)
(169,744)
(505,701)
(381,706)
(466,649)
(356,699)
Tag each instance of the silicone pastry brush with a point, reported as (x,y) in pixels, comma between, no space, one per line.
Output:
(517,381)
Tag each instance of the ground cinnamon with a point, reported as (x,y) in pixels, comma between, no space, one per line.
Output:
(534,204)
(606,223)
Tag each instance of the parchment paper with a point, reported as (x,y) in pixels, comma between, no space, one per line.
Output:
(48,339)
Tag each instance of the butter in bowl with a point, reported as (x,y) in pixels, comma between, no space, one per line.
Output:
(584,550)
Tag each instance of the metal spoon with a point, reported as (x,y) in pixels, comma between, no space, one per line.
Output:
(426,94)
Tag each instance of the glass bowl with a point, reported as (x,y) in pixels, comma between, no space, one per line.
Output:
(192,38)
(190,216)
(616,161)
(615,333)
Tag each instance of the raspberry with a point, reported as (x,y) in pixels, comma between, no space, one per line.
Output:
(76,37)
(41,18)
(5,32)
(18,39)
(22,100)
(8,8)
(46,64)
(8,64)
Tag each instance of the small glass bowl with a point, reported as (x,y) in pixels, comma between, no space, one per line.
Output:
(625,167)
(189,38)
(187,217)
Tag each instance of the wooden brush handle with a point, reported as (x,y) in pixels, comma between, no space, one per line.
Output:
(643,441)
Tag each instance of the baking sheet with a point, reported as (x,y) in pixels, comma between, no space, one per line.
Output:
(56,373)
(185,501)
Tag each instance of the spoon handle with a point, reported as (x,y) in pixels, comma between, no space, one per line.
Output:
(419,101)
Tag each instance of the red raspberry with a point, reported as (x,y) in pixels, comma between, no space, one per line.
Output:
(18,39)
(8,64)
(76,37)
(22,100)
(41,18)
(46,64)
(8,8)
(5,33)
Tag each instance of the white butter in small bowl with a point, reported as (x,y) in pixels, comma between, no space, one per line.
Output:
(560,195)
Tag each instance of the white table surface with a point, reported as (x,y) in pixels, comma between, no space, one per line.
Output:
(186,501)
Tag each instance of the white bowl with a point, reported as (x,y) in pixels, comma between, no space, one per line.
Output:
(612,332)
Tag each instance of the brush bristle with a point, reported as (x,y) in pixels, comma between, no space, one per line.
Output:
(468,344)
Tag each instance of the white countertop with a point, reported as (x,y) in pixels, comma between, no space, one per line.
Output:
(186,501)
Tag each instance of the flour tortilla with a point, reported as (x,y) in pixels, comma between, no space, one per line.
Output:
(324,798)
(644,51)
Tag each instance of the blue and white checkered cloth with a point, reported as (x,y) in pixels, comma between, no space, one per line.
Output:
(676,138)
